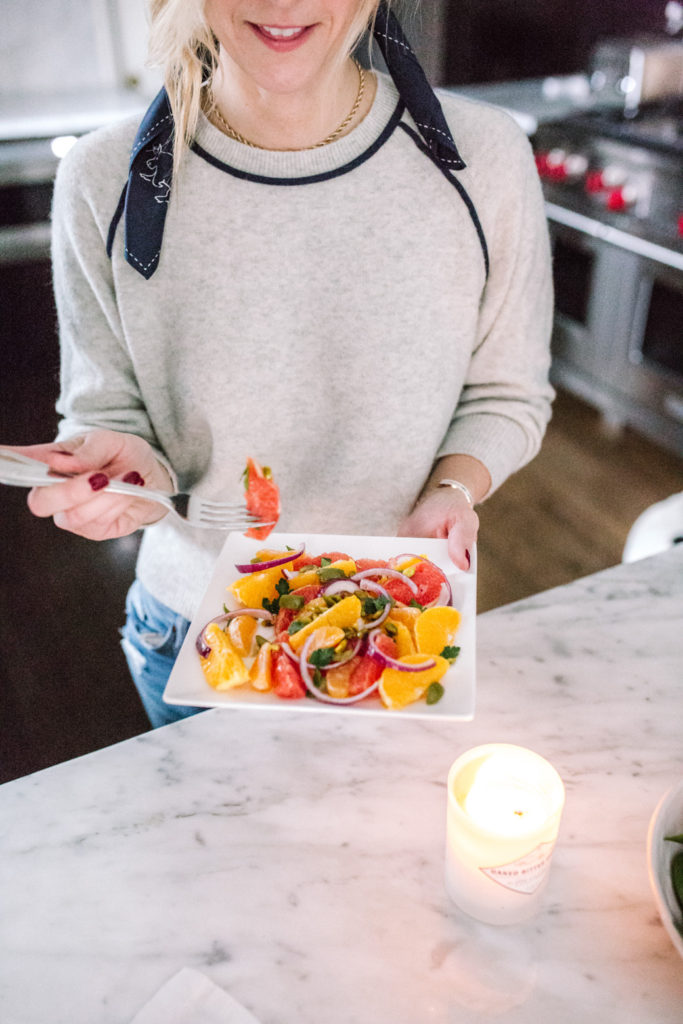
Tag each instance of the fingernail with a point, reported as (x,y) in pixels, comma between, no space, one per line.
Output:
(69,446)
(134,478)
(467,556)
(98,480)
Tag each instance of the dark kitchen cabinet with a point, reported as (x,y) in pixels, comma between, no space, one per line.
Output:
(506,40)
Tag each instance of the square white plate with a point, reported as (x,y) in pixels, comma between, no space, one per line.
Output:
(187,685)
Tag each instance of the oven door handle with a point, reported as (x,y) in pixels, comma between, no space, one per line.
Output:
(640,311)
(614,236)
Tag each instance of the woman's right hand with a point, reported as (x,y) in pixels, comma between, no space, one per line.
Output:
(80,505)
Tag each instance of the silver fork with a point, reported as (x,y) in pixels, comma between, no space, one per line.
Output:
(21,471)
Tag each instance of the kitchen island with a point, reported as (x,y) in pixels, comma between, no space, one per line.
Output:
(297,860)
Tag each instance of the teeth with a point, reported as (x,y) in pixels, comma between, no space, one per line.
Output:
(281,33)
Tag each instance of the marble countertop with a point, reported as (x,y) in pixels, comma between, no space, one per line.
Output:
(298,860)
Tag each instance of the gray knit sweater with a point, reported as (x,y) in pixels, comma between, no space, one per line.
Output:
(340,329)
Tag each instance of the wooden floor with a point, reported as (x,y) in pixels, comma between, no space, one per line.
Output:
(568,513)
(64,689)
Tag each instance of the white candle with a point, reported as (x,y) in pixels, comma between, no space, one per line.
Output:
(504,809)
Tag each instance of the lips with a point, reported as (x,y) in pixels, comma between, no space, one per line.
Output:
(281,37)
(281,33)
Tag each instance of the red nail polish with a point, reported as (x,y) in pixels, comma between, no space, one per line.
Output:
(469,560)
(98,480)
(134,478)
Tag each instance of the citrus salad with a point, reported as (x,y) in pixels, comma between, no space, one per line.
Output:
(334,628)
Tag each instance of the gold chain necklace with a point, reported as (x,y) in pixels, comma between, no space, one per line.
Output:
(234,134)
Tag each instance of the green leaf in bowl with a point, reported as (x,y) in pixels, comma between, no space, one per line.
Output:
(677,877)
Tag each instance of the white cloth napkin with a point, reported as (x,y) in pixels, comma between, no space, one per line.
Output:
(189,997)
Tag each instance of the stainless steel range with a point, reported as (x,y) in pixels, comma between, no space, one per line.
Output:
(613,183)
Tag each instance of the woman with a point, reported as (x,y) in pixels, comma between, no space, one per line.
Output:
(322,269)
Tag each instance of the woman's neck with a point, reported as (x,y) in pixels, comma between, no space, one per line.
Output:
(289,119)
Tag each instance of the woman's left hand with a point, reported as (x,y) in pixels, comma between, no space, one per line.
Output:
(445,512)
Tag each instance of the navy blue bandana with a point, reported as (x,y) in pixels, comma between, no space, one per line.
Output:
(144,200)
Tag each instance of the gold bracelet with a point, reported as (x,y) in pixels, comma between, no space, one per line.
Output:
(458,487)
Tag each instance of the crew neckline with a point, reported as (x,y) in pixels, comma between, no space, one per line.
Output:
(247,161)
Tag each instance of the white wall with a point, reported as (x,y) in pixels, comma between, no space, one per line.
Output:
(51,46)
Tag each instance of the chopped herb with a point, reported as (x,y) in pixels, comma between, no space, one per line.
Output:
(295,626)
(677,877)
(282,586)
(322,656)
(450,653)
(372,606)
(291,601)
(416,604)
(319,679)
(435,692)
(271,606)
(329,573)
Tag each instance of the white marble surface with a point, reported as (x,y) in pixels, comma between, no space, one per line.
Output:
(298,861)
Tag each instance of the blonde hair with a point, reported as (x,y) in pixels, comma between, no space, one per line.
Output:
(182,44)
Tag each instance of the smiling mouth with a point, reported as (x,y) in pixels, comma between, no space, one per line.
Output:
(281,33)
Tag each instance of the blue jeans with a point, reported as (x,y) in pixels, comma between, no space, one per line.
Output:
(151,640)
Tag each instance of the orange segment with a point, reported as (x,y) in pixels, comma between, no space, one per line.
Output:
(261,671)
(325,636)
(310,578)
(251,589)
(241,631)
(223,668)
(408,616)
(435,628)
(402,636)
(337,680)
(343,614)
(397,689)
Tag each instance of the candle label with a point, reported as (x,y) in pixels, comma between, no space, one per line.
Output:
(523,875)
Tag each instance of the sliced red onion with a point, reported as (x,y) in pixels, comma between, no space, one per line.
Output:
(288,651)
(445,597)
(378,655)
(346,656)
(386,572)
(373,585)
(257,613)
(315,691)
(339,587)
(378,588)
(260,566)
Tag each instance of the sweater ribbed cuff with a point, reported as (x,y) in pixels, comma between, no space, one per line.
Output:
(501,444)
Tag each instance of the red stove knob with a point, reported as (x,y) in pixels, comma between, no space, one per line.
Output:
(594,182)
(621,198)
(556,168)
(602,178)
(541,164)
